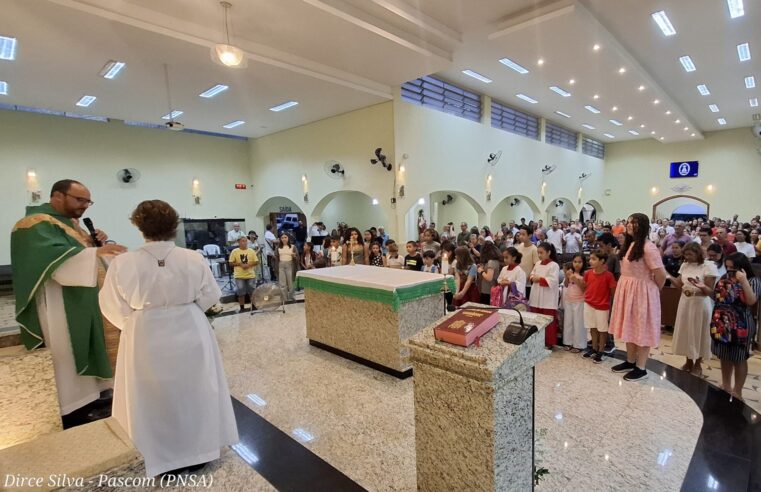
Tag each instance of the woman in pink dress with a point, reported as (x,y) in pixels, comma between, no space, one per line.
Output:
(636,315)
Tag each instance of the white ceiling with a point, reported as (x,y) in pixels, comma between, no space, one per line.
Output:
(335,56)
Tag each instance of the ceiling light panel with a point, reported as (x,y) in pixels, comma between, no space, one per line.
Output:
(511,64)
(213,91)
(86,101)
(558,90)
(526,98)
(589,127)
(663,22)
(3,88)
(714,108)
(564,115)
(750,82)
(592,109)
(174,114)
(609,135)
(722,121)
(111,69)
(634,132)
(743,52)
(753,101)
(736,8)
(233,124)
(703,90)
(477,76)
(7,48)
(616,122)
(285,105)
(687,63)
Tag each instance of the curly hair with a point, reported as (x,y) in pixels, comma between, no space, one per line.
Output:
(638,240)
(156,219)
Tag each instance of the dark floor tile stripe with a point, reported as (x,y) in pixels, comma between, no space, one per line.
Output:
(283,461)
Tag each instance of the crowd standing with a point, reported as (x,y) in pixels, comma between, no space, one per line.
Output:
(598,281)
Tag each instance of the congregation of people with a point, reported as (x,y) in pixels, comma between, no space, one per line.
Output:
(598,281)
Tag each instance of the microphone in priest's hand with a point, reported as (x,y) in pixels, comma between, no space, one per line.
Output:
(93,234)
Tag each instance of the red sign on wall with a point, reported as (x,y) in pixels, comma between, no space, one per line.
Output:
(240,186)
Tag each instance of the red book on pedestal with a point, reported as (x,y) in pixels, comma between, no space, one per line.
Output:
(467,326)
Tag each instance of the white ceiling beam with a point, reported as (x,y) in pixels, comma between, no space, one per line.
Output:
(415,16)
(532,17)
(152,21)
(612,43)
(377,26)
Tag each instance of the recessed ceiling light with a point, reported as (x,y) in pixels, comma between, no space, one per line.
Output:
(692,134)
(596,97)
(477,76)
(662,138)
(233,124)
(572,81)
(526,98)
(753,102)
(622,70)
(609,135)
(703,89)
(560,91)
(714,108)
(722,121)
(686,128)
(614,108)
(592,109)
(652,132)
(173,115)
(3,88)
(663,22)
(214,91)
(563,114)
(111,69)
(589,127)
(641,88)
(7,48)
(596,47)
(511,64)
(642,125)
(616,122)
(657,101)
(283,106)
(736,8)
(687,63)
(668,112)
(743,52)
(629,118)
(750,82)
(634,132)
(540,61)
(677,121)
(85,101)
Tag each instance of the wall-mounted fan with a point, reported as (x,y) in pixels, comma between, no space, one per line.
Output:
(559,203)
(380,158)
(584,176)
(449,199)
(493,158)
(514,202)
(335,170)
(128,175)
(548,169)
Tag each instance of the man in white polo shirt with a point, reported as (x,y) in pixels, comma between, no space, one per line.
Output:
(555,237)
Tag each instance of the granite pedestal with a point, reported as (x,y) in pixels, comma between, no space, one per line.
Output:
(474,409)
(365,313)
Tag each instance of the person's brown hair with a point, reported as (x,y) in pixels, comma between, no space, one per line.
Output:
(156,219)
(695,248)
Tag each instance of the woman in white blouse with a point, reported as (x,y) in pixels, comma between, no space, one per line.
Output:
(742,244)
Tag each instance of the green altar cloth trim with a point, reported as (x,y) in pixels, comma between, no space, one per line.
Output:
(394,298)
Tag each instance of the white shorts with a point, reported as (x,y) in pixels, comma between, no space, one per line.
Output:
(594,318)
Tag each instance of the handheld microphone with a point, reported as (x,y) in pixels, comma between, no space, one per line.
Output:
(93,234)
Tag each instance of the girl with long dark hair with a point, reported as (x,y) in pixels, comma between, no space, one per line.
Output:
(636,315)
(545,293)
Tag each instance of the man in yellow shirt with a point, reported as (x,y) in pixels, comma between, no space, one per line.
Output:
(244,259)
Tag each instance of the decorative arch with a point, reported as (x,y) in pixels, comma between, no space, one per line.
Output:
(597,210)
(503,212)
(434,210)
(355,208)
(674,197)
(273,201)
(568,208)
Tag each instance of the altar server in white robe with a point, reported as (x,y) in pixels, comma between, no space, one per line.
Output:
(170,390)
(545,293)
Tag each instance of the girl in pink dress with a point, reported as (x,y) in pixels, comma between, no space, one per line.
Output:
(636,315)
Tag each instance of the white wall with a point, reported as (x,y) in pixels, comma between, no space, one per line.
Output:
(354,208)
(457,211)
(92,152)
(503,212)
(449,153)
(278,161)
(728,160)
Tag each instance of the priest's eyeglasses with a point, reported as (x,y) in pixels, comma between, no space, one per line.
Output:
(83,201)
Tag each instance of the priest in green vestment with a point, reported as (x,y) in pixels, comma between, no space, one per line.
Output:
(55,280)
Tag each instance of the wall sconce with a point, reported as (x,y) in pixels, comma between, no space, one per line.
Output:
(709,188)
(33,186)
(401,191)
(488,187)
(196,191)
(305,186)
(375,201)
(543,190)
(421,201)
(579,195)
(654,190)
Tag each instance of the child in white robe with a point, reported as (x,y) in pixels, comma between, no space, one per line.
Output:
(545,290)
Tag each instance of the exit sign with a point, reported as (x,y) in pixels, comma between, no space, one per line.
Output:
(240,186)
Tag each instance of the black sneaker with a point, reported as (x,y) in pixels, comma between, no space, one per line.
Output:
(242,309)
(609,349)
(597,359)
(635,374)
(623,367)
(588,353)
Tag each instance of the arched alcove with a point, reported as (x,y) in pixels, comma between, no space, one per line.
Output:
(459,207)
(664,209)
(355,208)
(561,209)
(276,208)
(514,207)
(591,210)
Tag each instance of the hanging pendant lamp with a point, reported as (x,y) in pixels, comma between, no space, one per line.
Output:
(227,54)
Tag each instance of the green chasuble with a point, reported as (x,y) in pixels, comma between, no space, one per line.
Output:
(40,243)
